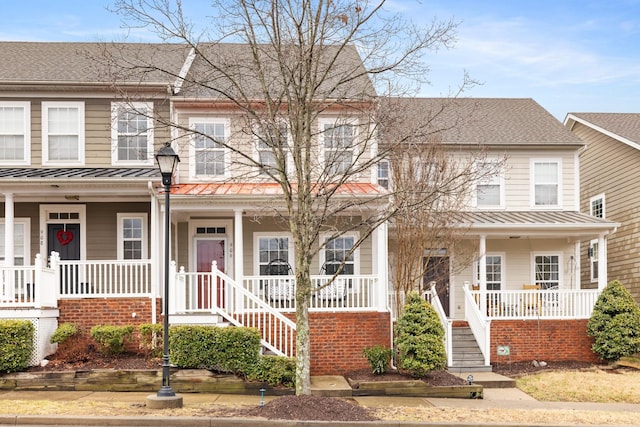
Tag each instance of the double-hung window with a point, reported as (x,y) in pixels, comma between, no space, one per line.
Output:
(546,183)
(547,271)
(593,259)
(132,134)
(268,143)
(337,252)
(15,126)
(21,248)
(489,191)
(383,173)
(339,139)
(132,236)
(274,255)
(63,133)
(209,154)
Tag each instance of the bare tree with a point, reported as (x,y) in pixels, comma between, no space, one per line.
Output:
(296,62)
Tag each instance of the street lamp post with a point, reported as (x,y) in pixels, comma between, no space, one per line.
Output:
(167,161)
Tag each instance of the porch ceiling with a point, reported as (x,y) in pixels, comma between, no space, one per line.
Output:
(537,223)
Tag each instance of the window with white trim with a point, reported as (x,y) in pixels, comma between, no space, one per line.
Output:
(494,272)
(209,154)
(546,183)
(489,191)
(383,173)
(593,259)
(132,133)
(596,206)
(15,132)
(62,133)
(21,239)
(132,236)
(547,271)
(267,143)
(336,251)
(274,255)
(339,139)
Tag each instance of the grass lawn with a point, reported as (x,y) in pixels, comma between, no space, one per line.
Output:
(593,385)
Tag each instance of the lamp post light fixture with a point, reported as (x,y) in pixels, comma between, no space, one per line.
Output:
(167,161)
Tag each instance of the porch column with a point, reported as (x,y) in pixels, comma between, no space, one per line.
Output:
(238,248)
(482,264)
(381,266)
(602,262)
(9,255)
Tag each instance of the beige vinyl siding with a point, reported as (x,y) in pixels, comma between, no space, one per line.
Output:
(610,167)
(101,228)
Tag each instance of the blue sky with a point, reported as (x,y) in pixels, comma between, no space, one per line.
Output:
(568,55)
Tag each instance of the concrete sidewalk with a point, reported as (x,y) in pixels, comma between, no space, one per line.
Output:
(499,398)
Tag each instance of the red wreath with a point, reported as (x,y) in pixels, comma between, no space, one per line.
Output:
(64,237)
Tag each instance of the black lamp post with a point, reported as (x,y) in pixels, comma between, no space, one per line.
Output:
(167,161)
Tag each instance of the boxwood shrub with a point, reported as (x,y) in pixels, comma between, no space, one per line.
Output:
(16,344)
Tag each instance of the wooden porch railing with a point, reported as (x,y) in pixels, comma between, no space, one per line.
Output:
(216,293)
(32,286)
(479,324)
(345,293)
(538,303)
(432,297)
(105,278)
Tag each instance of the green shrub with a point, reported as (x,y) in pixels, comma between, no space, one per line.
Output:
(419,338)
(63,333)
(275,371)
(379,358)
(232,349)
(615,323)
(151,339)
(111,339)
(16,344)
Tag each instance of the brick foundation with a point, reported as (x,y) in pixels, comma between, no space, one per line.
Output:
(547,340)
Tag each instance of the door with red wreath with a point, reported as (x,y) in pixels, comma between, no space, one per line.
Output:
(65,239)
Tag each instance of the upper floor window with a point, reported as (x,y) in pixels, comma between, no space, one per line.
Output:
(339,139)
(15,125)
(489,191)
(383,173)
(546,183)
(547,271)
(338,252)
(596,206)
(21,239)
(269,142)
(132,236)
(209,155)
(132,133)
(62,133)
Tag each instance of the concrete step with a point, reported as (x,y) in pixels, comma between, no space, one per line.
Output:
(487,379)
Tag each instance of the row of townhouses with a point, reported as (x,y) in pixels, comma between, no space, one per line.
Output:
(82,208)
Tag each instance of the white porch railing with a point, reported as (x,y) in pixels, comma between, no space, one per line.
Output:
(432,296)
(216,293)
(346,293)
(479,324)
(31,286)
(106,278)
(538,304)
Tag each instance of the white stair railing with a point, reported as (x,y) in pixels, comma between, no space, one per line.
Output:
(432,296)
(216,293)
(479,324)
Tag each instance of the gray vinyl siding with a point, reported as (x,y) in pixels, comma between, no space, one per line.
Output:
(610,167)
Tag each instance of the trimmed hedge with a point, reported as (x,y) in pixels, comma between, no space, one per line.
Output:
(111,339)
(275,371)
(230,349)
(16,344)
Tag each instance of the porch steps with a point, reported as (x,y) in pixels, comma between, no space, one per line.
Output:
(207,319)
(467,356)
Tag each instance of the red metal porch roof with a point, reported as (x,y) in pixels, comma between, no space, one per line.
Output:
(263,189)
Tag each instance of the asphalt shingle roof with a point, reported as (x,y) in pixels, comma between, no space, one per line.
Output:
(626,125)
(502,121)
